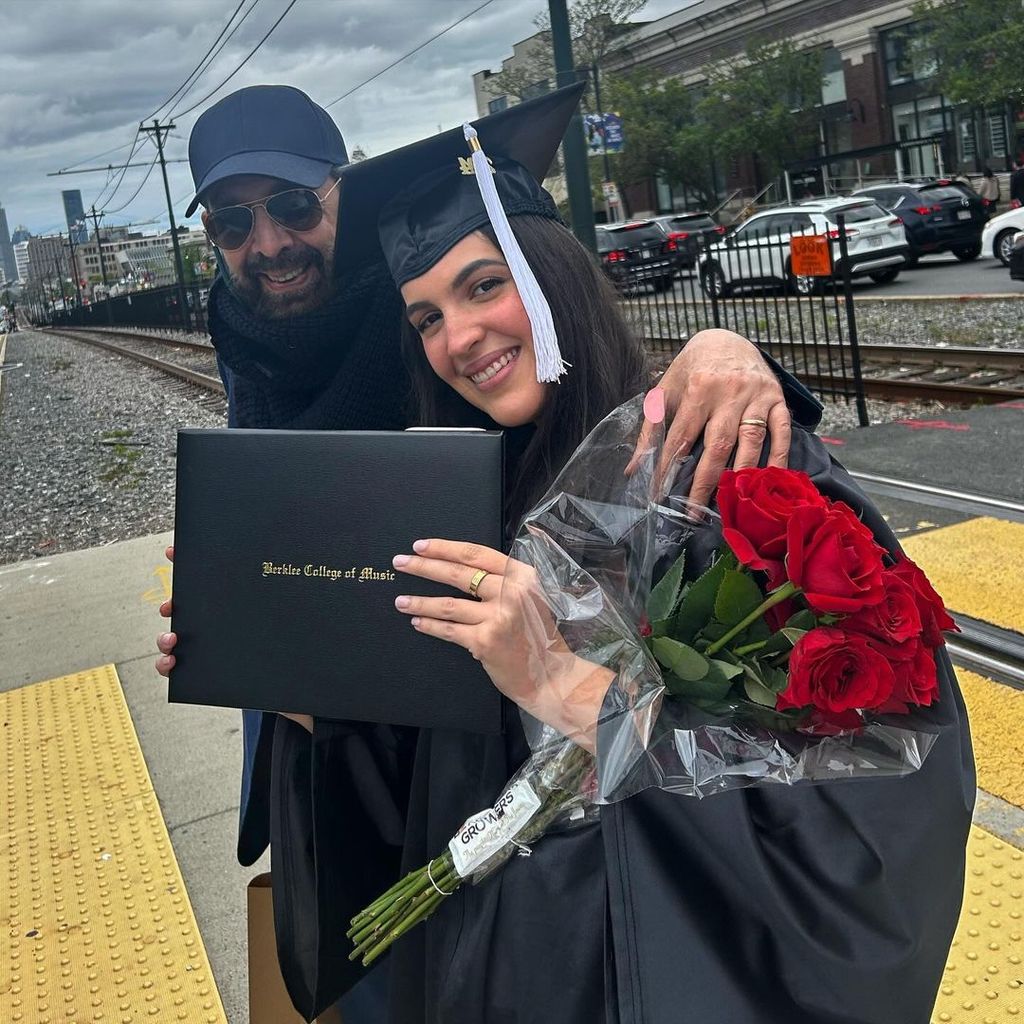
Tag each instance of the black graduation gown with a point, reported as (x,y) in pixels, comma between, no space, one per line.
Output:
(832,903)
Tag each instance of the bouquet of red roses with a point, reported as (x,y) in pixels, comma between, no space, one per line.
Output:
(801,653)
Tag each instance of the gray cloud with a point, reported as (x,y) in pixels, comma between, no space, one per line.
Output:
(79,75)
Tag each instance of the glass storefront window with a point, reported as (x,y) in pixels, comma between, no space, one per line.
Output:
(833,83)
(906,59)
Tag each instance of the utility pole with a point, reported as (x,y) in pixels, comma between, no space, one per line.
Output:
(60,277)
(600,113)
(103,265)
(156,130)
(574,147)
(73,268)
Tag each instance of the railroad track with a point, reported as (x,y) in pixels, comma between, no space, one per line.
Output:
(114,333)
(956,375)
(190,378)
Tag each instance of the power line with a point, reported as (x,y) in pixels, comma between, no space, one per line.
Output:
(208,58)
(124,170)
(142,184)
(116,149)
(395,63)
(185,113)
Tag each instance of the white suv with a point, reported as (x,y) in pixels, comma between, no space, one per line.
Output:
(756,253)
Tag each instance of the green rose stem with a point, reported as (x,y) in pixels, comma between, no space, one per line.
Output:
(788,589)
(415,897)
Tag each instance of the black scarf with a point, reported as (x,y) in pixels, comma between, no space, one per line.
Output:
(337,368)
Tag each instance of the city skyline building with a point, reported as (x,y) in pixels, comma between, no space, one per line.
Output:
(8,265)
(74,215)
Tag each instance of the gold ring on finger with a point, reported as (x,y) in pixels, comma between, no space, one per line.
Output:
(474,584)
(753,422)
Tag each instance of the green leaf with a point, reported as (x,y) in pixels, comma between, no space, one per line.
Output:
(680,659)
(659,627)
(698,604)
(665,595)
(758,692)
(775,678)
(803,619)
(697,690)
(726,668)
(737,597)
(784,640)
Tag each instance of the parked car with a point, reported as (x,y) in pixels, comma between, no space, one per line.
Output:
(757,252)
(1016,260)
(635,253)
(691,233)
(997,238)
(939,215)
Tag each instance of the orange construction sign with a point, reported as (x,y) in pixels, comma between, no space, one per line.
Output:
(810,256)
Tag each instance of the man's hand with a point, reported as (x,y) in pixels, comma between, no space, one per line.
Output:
(165,641)
(720,387)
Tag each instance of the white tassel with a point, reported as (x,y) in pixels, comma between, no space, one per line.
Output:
(550,364)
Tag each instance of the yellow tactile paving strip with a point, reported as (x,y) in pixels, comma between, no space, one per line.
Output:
(996,714)
(984,978)
(977,567)
(95,923)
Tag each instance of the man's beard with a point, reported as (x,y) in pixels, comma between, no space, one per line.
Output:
(279,305)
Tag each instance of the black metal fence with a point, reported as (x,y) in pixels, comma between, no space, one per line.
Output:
(156,307)
(807,323)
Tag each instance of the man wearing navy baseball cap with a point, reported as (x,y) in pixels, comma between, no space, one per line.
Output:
(305,343)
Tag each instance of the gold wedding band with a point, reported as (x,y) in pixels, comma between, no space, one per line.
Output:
(755,423)
(474,583)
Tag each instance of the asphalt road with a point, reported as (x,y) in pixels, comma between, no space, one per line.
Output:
(942,274)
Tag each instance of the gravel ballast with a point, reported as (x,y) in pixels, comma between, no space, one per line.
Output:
(87,445)
(87,439)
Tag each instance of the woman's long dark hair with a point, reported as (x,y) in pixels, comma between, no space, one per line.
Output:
(608,365)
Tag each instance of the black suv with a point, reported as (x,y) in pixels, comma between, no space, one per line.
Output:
(938,216)
(636,253)
(692,234)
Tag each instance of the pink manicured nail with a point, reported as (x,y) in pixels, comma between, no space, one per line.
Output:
(419,546)
(654,405)
(399,560)
(414,621)
(402,601)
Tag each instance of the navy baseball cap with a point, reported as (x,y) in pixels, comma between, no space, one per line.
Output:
(271,130)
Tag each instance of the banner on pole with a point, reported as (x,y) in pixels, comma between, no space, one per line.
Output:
(604,133)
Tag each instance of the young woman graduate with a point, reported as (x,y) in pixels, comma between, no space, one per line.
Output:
(811,904)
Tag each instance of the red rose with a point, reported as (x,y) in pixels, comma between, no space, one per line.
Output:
(934,617)
(755,505)
(917,679)
(836,671)
(834,559)
(894,619)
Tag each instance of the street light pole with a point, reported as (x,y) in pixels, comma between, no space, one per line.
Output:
(574,147)
(600,113)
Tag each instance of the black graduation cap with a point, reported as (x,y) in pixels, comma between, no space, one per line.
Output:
(413,204)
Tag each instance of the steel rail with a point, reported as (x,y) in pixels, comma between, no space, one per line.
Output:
(885,387)
(157,339)
(989,650)
(199,380)
(940,497)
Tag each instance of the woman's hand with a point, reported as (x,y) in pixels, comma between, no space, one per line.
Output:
(507,626)
(719,387)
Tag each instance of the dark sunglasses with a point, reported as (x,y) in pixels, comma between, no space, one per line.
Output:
(297,209)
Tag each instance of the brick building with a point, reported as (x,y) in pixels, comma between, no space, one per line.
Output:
(878,88)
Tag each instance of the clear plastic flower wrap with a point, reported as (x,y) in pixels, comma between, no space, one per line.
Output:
(774,642)
(595,547)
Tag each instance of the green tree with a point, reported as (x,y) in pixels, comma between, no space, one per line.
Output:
(196,262)
(594,25)
(764,104)
(977,46)
(666,135)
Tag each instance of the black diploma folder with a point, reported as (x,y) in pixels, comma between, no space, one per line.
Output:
(284,589)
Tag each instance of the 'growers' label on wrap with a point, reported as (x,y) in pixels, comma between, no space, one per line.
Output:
(484,834)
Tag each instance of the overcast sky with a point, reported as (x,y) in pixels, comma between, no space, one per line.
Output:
(77,76)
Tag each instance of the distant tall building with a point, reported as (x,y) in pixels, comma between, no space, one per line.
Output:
(8,266)
(74,216)
(21,234)
(21,258)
